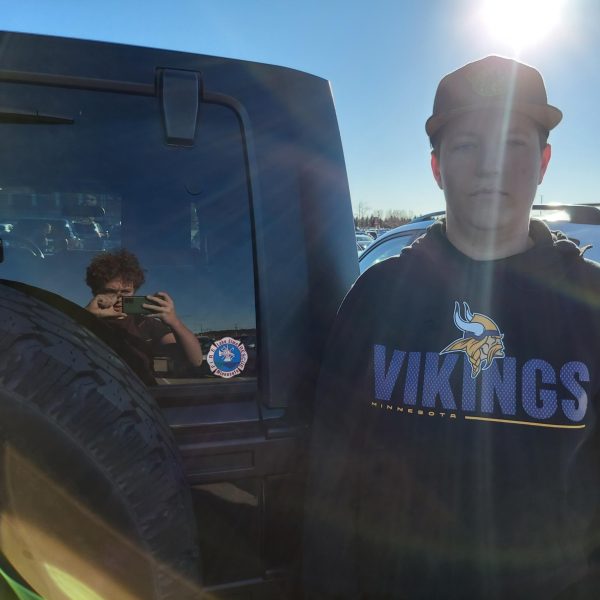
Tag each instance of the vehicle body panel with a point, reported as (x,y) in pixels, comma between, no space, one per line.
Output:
(242,440)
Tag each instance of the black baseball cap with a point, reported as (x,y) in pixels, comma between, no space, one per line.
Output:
(492,82)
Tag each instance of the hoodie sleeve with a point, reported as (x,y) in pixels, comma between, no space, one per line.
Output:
(330,565)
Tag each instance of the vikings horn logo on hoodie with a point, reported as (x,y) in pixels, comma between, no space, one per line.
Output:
(481,340)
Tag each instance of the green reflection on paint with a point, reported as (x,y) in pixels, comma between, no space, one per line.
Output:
(21,592)
(71,586)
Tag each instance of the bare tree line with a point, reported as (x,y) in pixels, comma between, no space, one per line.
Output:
(367,217)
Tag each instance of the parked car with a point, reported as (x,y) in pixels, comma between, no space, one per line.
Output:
(90,234)
(363,241)
(580,223)
(15,246)
(375,232)
(51,234)
(364,237)
(119,487)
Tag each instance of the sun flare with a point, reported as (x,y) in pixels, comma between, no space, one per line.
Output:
(522,23)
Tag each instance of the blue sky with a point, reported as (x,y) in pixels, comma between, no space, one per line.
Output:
(384,59)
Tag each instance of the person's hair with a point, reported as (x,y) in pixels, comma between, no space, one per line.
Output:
(110,265)
(436,139)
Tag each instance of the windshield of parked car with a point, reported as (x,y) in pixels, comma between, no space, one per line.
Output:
(391,246)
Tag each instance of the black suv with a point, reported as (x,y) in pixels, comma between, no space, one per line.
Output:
(226,179)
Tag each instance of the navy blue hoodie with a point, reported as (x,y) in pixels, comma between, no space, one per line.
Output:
(455,451)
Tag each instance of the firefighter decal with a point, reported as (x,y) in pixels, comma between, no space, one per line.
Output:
(227,357)
(481,339)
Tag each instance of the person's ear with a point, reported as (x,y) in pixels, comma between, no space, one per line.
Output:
(435,169)
(546,154)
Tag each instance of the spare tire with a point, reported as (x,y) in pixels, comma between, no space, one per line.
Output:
(92,490)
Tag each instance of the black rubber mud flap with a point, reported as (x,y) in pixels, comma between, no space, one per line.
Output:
(92,491)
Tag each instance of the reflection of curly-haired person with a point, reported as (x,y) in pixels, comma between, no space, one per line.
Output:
(112,275)
(110,265)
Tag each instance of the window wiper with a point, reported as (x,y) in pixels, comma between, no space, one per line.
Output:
(17,115)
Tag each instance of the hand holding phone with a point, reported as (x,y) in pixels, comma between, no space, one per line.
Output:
(163,308)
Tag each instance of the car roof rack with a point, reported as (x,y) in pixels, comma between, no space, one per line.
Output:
(588,214)
(429,216)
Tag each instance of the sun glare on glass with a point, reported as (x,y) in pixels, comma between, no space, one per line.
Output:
(521,23)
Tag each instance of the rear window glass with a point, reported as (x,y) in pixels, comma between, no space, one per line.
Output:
(108,180)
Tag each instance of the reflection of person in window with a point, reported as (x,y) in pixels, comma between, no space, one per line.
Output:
(112,275)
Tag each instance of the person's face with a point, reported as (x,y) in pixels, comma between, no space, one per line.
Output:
(489,167)
(117,288)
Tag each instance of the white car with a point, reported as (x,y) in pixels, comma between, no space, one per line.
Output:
(363,241)
(579,222)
